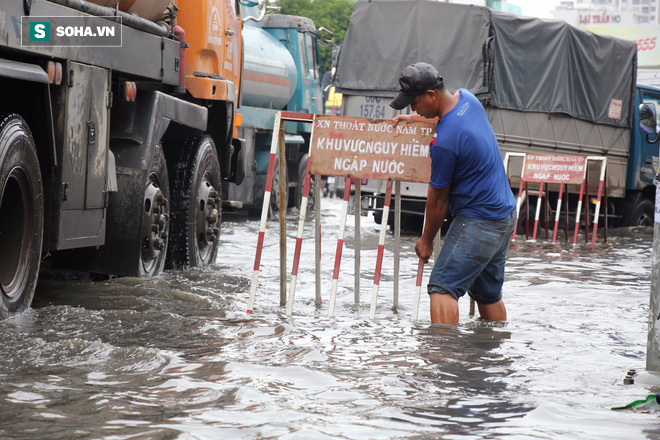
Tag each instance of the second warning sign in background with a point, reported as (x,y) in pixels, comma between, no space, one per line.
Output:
(371,149)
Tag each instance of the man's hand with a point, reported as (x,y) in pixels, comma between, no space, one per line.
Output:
(437,204)
(424,249)
(398,118)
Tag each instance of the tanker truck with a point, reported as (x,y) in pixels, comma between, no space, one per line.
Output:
(114,152)
(281,72)
(547,87)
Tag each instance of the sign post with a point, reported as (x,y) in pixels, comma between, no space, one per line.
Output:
(418,280)
(601,183)
(340,246)
(358,244)
(282,214)
(397,242)
(317,238)
(299,235)
(381,249)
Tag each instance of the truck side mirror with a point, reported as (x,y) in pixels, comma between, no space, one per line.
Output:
(266,9)
(326,41)
(647,119)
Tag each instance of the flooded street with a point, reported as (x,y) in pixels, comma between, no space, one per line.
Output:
(177,357)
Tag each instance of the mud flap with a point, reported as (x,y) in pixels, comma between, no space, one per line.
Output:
(237,162)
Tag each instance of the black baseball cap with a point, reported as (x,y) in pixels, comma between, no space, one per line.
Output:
(415,80)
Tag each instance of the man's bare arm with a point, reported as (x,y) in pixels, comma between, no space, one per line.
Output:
(414,118)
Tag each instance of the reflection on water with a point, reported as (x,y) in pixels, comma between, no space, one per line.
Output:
(178,357)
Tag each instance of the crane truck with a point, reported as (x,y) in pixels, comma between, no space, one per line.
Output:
(114,155)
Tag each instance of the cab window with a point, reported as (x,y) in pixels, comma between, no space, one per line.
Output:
(303,55)
(314,71)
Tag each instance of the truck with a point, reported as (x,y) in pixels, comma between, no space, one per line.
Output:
(547,87)
(113,157)
(281,72)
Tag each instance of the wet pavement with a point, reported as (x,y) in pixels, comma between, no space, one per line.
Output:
(177,357)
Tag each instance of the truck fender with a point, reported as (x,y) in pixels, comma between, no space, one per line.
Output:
(34,73)
(138,127)
(23,71)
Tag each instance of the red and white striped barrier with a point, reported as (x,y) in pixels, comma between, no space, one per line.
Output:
(418,282)
(518,206)
(577,214)
(538,211)
(564,170)
(340,245)
(561,192)
(507,157)
(418,288)
(264,211)
(296,255)
(600,194)
(381,249)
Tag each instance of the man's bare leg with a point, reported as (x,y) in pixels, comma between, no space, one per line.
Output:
(493,312)
(444,309)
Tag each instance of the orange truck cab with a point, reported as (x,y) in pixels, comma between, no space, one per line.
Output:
(213,58)
(213,67)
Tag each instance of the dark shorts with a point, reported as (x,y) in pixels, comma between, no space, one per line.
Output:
(472,259)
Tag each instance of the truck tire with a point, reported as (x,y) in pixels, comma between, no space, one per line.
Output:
(274,208)
(378,217)
(522,217)
(643,213)
(155,218)
(311,201)
(196,205)
(21,216)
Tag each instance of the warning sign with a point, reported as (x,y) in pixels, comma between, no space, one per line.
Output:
(371,148)
(614,111)
(554,168)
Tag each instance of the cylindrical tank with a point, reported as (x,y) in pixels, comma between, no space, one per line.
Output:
(269,72)
(147,9)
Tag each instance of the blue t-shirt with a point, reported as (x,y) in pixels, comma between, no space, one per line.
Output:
(465,156)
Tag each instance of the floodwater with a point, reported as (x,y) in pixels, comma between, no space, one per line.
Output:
(177,357)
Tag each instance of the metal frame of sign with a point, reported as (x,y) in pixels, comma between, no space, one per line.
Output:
(562,199)
(278,145)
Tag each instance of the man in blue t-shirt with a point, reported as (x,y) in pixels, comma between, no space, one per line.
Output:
(468,179)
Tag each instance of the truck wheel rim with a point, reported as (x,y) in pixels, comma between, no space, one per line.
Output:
(154,226)
(645,220)
(275,193)
(209,215)
(16,216)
